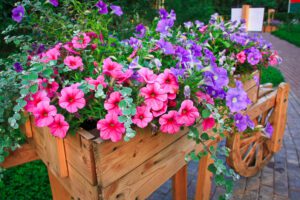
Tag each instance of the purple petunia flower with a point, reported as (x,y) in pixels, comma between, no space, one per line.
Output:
(217,77)
(188,25)
(54,2)
(164,25)
(253,58)
(166,47)
(199,24)
(134,63)
(177,72)
(163,14)
(117,10)
(18,13)
(134,43)
(236,98)
(141,30)
(243,122)
(220,93)
(18,67)
(269,130)
(240,122)
(102,7)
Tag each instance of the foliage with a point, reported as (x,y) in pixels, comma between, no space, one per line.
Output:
(271,75)
(29,181)
(290,33)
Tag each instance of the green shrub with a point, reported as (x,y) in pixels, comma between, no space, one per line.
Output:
(271,75)
(28,181)
(289,32)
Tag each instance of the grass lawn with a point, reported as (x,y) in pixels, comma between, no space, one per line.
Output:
(290,33)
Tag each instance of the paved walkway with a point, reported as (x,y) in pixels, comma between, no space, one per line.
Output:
(280,179)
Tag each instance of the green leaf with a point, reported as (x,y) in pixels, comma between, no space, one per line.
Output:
(122,119)
(126,111)
(126,91)
(122,104)
(47,72)
(37,67)
(31,77)
(24,91)
(204,136)
(34,88)
(212,168)
(205,113)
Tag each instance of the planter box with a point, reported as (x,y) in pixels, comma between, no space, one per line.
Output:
(251,86)
(270,28)
(89,168)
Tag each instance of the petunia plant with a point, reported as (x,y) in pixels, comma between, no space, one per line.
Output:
(163,76)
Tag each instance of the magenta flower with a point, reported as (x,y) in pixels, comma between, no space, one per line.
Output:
(54,2)
(72,98)
(18,13)
(74,62)
(116,10)
(49,87)
(163,110)
(146,75)
(236,98)
(59,127)
(111,68)
(44,114)
(241,57)
(141,30)
(142,117)
(154,96)
(51,54)
(96,82)
(112,103)
(169,123)
(111,128)
(168,81)
(35,99)
(203,96)
(69,47)
(81,41)
(208,123)
(188,113)
(102,7)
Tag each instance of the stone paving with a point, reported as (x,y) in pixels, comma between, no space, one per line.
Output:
(280,179)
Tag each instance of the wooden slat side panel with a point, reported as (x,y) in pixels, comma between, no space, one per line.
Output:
(252,94)
(262,105)
(251,83)
(80,156)
(26,153)
(58,191)
(150,175)
(280,116)
(62,159)
(114,160)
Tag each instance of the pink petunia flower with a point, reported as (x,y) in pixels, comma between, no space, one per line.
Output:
(35,99)
(146,75)
(241,57)
(188,113)
(51,54)
(72,98)
(99,81)
(154,96)
(163,110)
(208,123)
(168,81)
(81,41)
(124,76)
(143,116)
(203,29)
(202,96)
(111,128)
(168,122)
(59,127)
(69,47)
(111,68)
(43,114)
(74,62)
(112,103)
(49,87)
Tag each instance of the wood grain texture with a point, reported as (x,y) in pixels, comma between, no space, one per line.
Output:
(58,190)
(62,159)
(203,186)
(114,160)
(179,184)
(26,153)
(280,116)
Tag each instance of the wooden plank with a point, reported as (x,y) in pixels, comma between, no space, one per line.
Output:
(262,105)
(253,93)
(62,159)
(179,184)
(58,190)
(26,153)
(80,154)
(280,116)
(114,160)
(150,175)
(26,128)
(203,186)
(264,91)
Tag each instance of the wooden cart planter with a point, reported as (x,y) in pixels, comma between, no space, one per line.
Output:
(84,167)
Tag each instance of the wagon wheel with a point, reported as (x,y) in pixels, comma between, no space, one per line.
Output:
(250,152)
